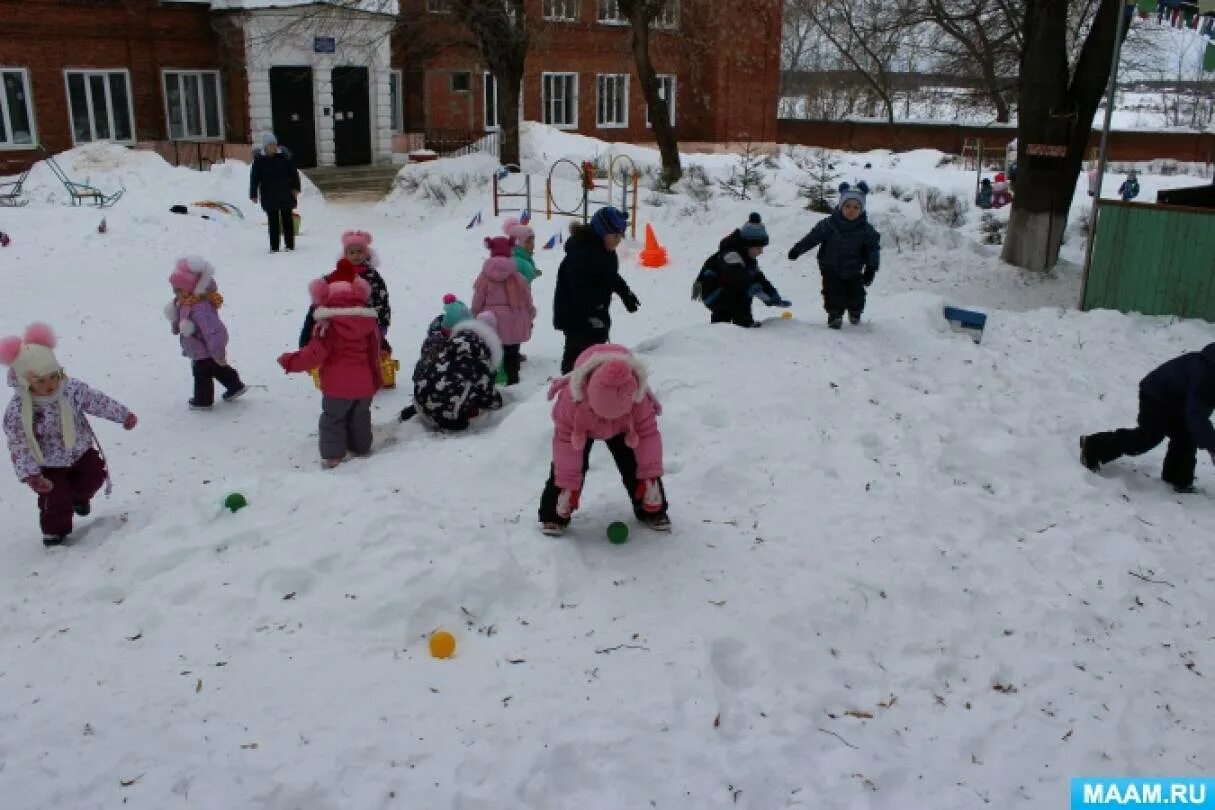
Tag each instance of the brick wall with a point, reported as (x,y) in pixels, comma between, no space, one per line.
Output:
(142,36)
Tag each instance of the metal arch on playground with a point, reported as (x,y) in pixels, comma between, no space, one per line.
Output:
(629,179)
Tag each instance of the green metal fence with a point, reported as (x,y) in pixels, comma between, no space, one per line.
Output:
(1152,259)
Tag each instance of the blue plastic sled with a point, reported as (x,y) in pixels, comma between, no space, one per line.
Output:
(967,321)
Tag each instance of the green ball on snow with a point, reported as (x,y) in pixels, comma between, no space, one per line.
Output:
(618,532)
(235,502)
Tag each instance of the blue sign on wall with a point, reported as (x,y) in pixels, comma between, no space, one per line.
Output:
(324,44)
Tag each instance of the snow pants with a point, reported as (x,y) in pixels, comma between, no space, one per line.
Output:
(345,426)
(281,223)
(626,463)
(1157,421)
(206,373)
(843,295)
(75,485)
(576,342)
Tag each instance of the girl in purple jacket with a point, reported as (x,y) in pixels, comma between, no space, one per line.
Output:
(50,441)
(194,314)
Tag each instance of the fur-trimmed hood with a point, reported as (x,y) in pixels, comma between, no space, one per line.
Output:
(487,334)
(579,384)
(323,313)
(596,356)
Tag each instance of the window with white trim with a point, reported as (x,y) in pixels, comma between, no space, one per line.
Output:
(192,101)
(609,13)
(490,88)
(669,17)
(559,98)
(612,100)
(99,104)
(561,10)
(396,109)
(666,90)
(16,110)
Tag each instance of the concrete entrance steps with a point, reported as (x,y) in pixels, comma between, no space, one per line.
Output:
(354,182)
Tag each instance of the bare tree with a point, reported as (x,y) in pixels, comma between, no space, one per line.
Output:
(1057,98)
(501,30)
(641,15)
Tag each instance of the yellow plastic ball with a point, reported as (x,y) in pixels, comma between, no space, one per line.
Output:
(442,644)
(786,315)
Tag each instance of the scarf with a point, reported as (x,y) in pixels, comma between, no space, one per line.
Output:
(189,300)
(67,418)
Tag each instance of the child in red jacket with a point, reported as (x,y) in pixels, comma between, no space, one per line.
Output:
(345,346)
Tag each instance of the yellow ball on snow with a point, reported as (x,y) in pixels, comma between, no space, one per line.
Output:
(442,644)
(786,315)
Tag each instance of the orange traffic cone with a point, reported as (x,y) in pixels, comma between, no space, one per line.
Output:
(653,254)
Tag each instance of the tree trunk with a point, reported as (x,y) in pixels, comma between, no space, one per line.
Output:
(1055,107)
(509,87)
(660,115)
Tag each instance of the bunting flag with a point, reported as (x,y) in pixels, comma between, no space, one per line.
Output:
(474,222)
(526,218)
(553,242)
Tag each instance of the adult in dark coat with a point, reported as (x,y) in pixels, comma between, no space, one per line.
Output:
(1175,403)
(275,183)
(588,276)
(731,277)
(849,256)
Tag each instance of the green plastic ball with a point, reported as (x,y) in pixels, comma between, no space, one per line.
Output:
(235,502)
(618,533)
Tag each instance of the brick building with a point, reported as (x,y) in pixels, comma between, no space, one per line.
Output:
(339,84)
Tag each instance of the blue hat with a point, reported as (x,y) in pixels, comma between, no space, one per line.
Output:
(454,311)
(753,233)
(847,192)
(268,138)
(609,220)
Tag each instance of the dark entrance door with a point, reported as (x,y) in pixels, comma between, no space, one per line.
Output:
(351,116)
(291,109)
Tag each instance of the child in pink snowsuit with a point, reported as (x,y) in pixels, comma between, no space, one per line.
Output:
(605,397)
(502,290)
(194,316)
(50,441)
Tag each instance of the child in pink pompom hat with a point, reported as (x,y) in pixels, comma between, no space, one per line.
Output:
(500,289)
(194,317)
(50,441)
(605,397)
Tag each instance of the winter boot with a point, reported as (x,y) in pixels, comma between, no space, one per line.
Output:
(82,508)
(408,412)
(53,540)
(1184,489)
(854,318)
(658,521)
(195,406)
(835,321)
(552,529)
(330,463)
(228,396)
(1085,458)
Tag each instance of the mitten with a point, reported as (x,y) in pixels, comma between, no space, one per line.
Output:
(650,495)
(567,503)
(868,276)
(130,422)
(780,302)
(596,322)
(284,360)
(793,254)
(631,303)
(39,484)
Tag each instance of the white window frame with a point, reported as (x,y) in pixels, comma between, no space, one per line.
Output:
(669,18)
(607,12)
(6,114)
(562,10)
(398,120)
(490,84)
(545,106)
(109,101)
(613,80)
(670,101)
(219,102)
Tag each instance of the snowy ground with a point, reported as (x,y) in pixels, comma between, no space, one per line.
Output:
(890,583)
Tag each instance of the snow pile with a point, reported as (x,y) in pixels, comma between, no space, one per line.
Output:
(890,581)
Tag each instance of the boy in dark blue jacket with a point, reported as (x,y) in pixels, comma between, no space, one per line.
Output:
(1175,402)
(849,256)
(731,277)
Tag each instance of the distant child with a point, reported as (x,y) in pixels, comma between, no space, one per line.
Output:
(1175,403)
(359,261)
(1000,193)
(984,197)
(1129,189)
(454,377)
(731,277)
(606,397)
(52,446)
(848,259)
(586,279)
(525,248)
(194,316)
(345,346)
(502,290)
